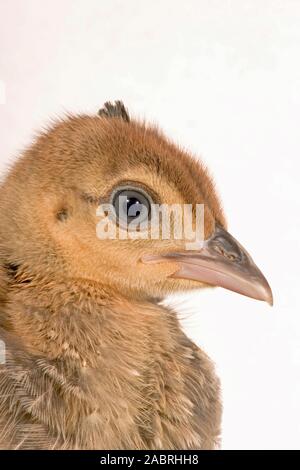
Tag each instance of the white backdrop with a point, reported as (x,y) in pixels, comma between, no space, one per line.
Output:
(222,78)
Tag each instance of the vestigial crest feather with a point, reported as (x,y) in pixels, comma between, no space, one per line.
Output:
(116,110)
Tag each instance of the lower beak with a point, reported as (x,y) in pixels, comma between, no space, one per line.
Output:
(221,262)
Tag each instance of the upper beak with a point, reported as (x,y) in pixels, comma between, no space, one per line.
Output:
(221,262)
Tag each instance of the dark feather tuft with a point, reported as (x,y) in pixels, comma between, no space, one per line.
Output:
(116,110)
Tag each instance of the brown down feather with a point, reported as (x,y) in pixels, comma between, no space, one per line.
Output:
(93,360)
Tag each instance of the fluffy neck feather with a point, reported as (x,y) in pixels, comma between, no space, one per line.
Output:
(97,373)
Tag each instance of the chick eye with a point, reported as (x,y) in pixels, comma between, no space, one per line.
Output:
(132,206)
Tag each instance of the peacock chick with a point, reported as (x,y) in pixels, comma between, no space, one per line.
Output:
(93,360)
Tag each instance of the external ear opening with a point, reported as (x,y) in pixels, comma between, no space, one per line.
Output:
(14,274)
(11,269)
(114,110)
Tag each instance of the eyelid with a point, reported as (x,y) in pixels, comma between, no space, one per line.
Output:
(119,189)
(135,186)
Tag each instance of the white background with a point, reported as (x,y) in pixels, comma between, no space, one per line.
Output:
(222,78)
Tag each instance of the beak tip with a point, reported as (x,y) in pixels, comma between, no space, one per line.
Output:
(267,294)
(270,299)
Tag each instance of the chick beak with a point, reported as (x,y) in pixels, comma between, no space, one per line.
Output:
(223,262)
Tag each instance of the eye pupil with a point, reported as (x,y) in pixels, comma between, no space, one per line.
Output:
(132,205)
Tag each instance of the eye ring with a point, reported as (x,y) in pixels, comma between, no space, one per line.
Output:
(132,207)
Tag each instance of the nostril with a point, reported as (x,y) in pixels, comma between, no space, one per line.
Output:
(227,254)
